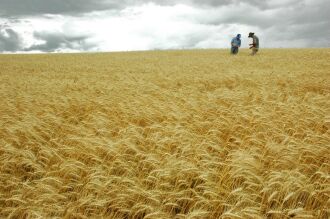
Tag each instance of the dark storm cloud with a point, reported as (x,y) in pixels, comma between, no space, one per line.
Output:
(308,23)
(312,34)
(272,14)
(13,8)
(56,41)
(206,3)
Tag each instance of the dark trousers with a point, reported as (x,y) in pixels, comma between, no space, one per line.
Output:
(234,50)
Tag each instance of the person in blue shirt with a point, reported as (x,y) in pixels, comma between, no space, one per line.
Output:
(235,44)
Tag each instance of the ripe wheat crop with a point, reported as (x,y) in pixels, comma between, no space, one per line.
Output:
(165,134)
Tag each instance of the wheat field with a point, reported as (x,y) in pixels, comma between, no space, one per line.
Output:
(165,134)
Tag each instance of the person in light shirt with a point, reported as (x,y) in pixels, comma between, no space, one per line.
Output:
(255,44)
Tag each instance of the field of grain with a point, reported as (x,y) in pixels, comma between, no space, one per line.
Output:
(165,134)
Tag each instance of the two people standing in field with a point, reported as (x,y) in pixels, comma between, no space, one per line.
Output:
(236,43)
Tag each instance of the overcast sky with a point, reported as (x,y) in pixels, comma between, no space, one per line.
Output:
(112,25)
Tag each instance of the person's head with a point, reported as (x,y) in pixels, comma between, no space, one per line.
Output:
(238,36)
(251,34)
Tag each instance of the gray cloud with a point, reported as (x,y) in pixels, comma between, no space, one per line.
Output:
(57,41)
(9,40)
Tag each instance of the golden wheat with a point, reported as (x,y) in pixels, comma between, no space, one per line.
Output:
(165,134)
